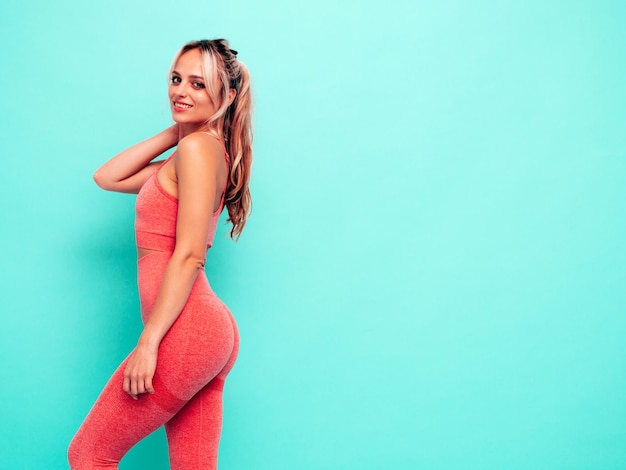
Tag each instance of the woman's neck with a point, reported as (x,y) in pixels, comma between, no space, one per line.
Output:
(186,129)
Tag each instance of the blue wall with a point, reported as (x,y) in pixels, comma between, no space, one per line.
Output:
(433,275)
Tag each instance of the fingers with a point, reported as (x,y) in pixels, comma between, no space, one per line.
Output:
(139,373)
(126,386)
(130,386)
(148,385)
(134,388)
(135,385)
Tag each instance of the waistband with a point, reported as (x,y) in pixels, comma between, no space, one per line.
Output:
(154,241)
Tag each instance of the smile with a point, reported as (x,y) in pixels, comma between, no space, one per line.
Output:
(178,104)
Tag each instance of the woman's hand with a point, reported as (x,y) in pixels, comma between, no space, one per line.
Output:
(140,371)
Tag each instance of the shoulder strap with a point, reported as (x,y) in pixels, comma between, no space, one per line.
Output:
(222,143)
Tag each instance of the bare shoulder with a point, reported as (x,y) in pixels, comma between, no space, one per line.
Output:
(198,147)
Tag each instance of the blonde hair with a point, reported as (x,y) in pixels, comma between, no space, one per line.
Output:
(231,122)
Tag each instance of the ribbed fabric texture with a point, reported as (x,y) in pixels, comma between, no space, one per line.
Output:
(194,359)
(156,209)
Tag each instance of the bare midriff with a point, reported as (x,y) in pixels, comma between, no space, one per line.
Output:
(141,252)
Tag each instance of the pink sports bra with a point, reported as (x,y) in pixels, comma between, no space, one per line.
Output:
(155,215)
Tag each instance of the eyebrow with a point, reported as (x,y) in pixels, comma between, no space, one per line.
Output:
(190,76)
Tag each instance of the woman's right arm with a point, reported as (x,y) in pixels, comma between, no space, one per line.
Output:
(128,170)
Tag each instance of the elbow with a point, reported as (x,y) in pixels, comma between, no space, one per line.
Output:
(196,262)
(191,261)
(101,180)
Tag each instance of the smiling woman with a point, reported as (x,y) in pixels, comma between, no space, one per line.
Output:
(175,375)
(188,92)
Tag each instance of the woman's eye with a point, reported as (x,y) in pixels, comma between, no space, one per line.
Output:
(198,85)
(175,79)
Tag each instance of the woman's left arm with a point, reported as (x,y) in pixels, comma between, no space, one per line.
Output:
(197,164)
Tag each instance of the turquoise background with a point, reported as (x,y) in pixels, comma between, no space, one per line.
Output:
(433,276)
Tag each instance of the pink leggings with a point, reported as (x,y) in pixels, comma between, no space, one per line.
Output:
(194,358)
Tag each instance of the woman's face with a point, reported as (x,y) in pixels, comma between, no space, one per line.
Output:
(189,99)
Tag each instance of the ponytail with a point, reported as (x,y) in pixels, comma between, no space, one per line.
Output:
(238,131)
(231,122)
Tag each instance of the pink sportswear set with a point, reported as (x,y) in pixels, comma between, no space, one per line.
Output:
(194,358)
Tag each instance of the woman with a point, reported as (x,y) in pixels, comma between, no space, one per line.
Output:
(175,375)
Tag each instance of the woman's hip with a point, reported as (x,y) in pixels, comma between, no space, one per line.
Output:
(202,301)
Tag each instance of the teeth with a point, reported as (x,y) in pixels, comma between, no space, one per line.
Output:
(182,105)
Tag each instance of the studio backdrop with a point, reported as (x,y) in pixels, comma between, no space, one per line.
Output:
(433,273)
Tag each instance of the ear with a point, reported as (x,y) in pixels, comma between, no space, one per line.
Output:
(231,96)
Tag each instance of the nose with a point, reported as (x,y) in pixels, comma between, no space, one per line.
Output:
(180,90)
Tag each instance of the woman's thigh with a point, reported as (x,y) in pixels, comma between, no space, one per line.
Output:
(193,434)
(198,347)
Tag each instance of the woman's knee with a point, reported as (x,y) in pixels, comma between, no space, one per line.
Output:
(82,457)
